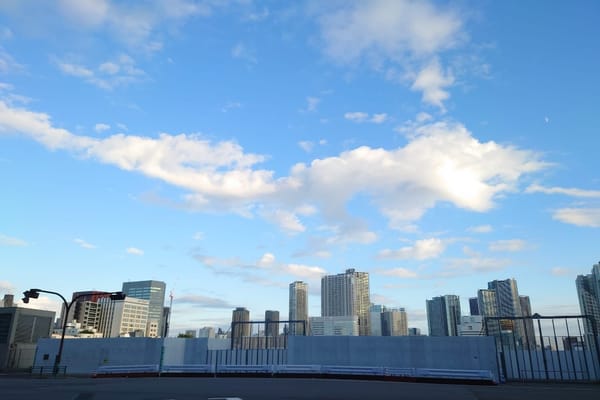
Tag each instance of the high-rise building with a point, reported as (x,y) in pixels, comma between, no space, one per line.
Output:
(77,310)
(127,317)
(271,323)
(298,310)
(375,319)
(508,305)
(347,294)
(334,326)
(473,306)
(240,329)
(443,315)
(486,300)
(528,328)
(394,322)
(154,292)
(588,293)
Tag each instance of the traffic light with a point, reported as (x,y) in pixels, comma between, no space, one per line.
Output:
(30,294)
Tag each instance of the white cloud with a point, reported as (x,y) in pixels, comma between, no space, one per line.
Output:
(510,245)
(135,251)
(287,221)
(574,192)
(433,81)
(306,145)
(267,260)
(359,117)
(198,236)
(403,34)
(100,127)
(379,118)
(44,302)
(441,162)
(262,271)
(82,243)
(75,70)
(7,63)
(109,68)
(388,28)
(422,250)
(232,105)
(356,116)
(111,74)
(480,229)
(586,217)
(203,301)
(423,117)
(559,271)
(7,287)
(11,241)
(242,52)
(399,273)
(312,103)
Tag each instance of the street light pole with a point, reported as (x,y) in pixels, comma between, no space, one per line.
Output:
(34,293)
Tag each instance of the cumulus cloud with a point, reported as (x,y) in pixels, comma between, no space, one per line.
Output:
(579,216)
(422,250)
(391,34)
(509,245)
(432,81)
(83,244)
(135,251)
(441,162)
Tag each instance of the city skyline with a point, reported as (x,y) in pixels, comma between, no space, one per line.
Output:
(228,149)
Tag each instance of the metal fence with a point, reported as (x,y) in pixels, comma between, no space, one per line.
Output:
(546,348)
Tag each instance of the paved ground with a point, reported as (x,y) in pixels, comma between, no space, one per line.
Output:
(25,388)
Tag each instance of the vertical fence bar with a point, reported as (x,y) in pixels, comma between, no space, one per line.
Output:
(557,350)
(584,352)
(514,340)
(571,350)
(543,349)
(529,348)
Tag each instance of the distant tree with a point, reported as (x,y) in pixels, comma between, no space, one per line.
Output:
(185,336)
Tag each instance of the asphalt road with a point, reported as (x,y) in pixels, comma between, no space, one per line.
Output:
(25,388)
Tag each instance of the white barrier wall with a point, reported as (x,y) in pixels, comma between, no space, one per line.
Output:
(454,352)
(84,356)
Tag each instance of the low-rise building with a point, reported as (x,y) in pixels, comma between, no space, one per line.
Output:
(20,329)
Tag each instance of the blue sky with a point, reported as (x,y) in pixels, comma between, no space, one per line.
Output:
(229,148)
